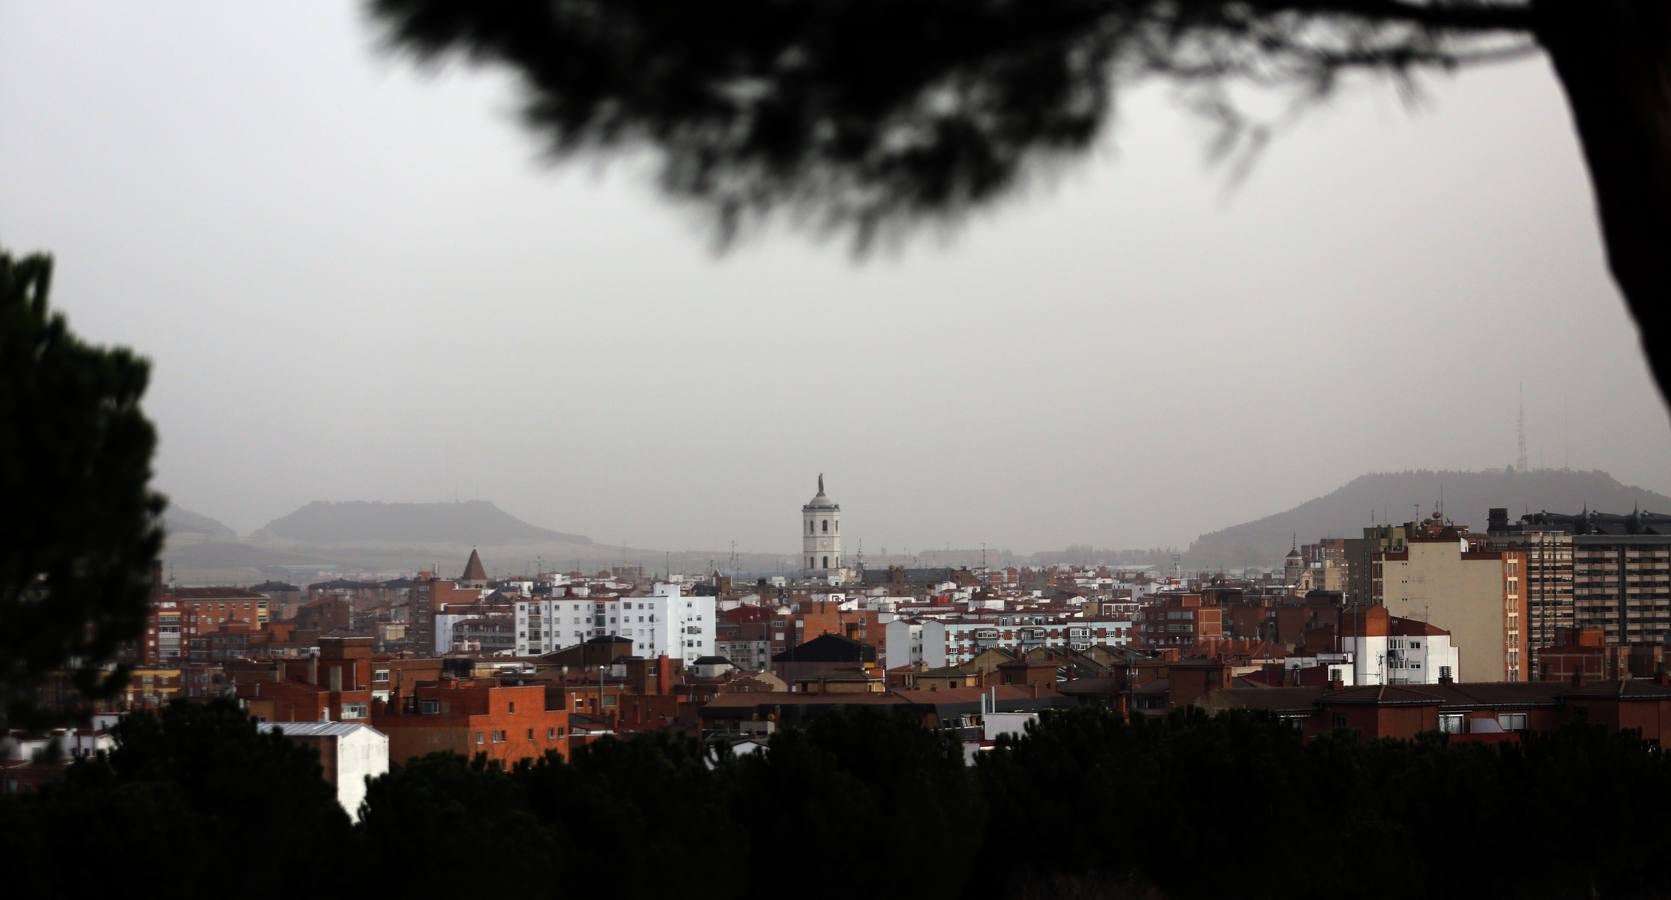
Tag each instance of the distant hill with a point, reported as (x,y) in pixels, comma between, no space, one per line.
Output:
(360,523)
(183,523)
(1467,495)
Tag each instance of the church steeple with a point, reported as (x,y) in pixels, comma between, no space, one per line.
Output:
(821,537)
(475,574)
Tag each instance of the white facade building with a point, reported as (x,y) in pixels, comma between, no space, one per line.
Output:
(951,642)
(349,752)
(668,622)
(1403,658)
(904,645)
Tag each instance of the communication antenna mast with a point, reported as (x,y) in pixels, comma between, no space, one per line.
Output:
(1520,461)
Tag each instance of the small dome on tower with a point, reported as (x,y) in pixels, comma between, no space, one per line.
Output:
(821,500)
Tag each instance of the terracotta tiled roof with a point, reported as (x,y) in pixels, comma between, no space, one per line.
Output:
(1409,627)
(1629,689)
(1272,699)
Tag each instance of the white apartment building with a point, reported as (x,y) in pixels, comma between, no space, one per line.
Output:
(349,751)
(1391,650)
(667,622)
(904,644)
(951,642)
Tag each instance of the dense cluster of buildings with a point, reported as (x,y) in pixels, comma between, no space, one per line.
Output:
(1425,626)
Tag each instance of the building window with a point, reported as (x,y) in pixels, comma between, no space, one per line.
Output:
(826,562)
(478,737)
(498,737)
(826,526)
(1338,721)
(433,707)
(530,734)
(380,676)
(1512,721)
(550,734)
(1451,723)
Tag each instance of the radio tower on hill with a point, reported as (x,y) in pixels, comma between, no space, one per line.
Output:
(1520,461)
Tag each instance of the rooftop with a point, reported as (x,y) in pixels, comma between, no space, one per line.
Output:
(314,729)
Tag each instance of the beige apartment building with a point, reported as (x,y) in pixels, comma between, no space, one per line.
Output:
(1442,578)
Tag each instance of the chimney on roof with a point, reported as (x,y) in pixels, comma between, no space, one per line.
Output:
(1445,678)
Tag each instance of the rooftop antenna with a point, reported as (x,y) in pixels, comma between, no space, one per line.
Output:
(1566,455)
(1520,461)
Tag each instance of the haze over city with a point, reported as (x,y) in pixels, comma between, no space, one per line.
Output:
(1020,449)
(360,282)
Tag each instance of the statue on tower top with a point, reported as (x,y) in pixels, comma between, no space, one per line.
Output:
(820,482)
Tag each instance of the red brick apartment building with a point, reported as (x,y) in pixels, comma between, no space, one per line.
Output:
(1582,655)
(1182,620)
(176,615)
(334,686)
(507,722)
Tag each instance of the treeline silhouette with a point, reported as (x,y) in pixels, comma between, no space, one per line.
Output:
(866,804)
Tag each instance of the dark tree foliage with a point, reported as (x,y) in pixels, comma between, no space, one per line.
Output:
(868,117)
(194,802)
(441,826)
(82,525)
(648,810)
(1086,805)
(1238,805)
(896,796)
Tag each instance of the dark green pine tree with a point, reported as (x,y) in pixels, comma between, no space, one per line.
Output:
(194,801)
(82,525)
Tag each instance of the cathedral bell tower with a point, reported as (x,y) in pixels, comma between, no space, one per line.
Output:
(821,537)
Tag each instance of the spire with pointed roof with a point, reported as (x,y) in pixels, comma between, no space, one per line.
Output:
(474,572)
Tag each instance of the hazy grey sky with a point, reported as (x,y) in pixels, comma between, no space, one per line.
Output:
(357,281)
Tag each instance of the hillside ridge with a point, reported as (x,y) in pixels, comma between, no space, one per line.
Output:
(1401,496)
